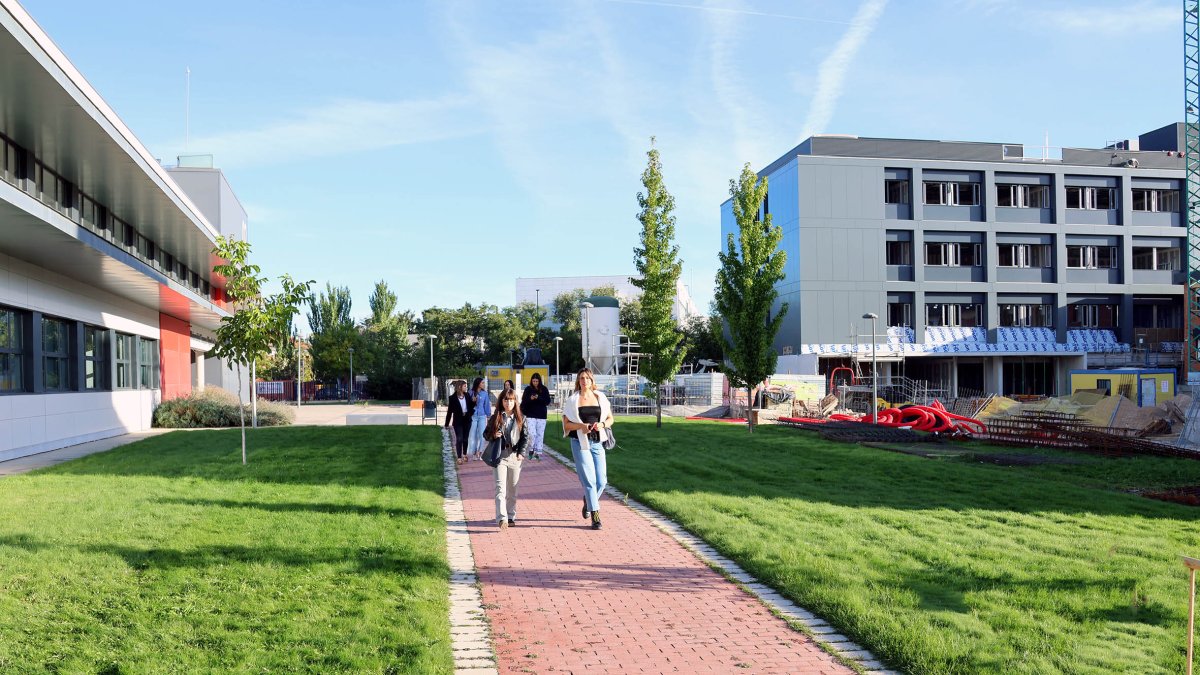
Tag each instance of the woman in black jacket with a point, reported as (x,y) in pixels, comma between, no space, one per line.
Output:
(459,409)
(533,406)
(507,425)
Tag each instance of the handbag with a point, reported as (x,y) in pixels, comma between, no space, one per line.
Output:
(494,452)
(610,441)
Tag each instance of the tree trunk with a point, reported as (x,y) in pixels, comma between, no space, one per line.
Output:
(242,413)
(750,407)
(658,403)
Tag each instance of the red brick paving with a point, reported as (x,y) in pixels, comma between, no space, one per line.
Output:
(563,598)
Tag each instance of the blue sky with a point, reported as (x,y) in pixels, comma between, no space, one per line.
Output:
(449,147)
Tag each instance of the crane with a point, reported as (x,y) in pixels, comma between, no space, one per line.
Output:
(1191,118)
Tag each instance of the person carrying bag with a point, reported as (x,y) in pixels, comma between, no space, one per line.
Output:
(587,419)
(505,433)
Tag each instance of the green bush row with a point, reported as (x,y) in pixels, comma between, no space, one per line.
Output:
(215,407)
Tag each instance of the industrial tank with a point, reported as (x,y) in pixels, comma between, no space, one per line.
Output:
(601,323)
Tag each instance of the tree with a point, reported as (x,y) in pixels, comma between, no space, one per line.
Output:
(259,325)
(702,339)
(745,293)
(659,267)
(333,332)
(386,352)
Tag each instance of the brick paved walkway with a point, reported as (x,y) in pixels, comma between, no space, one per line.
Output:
(562,598)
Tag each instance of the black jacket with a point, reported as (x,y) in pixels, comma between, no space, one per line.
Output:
(454,411)
(535,407)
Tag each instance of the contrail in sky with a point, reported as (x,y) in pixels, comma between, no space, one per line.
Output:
(729,10)
(833,69)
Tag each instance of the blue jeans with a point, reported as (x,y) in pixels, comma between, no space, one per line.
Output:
(591,468)
(475,439)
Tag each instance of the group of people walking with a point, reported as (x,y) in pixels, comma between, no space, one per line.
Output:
(520,426)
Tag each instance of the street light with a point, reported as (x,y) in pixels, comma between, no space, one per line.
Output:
(557,371)
(874,370)
(350,394)
(587,339)
(432,397)
(299,368)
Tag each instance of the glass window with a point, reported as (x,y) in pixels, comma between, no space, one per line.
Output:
(1091,198)
(124,361)
(899,253)
(95,358)
(935,193)
(12,356)
(56,354)
(951,193)
(1153,258)
(1155,201)
(1092,316)
(147,363)
(1023,196)
(899,313)
(1092,257)
(895,191)
(1027,315)
(935,254)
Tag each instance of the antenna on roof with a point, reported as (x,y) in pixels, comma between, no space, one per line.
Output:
(187,105)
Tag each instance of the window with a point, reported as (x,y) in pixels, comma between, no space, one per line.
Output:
(1023,196)
(899,314)
(1024,255)
(1091,198)
(966,315)
(895,191)
(1153,258)
(1092,316)
(1091,257)
(12,357)
(56,354)
(147,363)
(951,193)
(10,169)
(124,361)
(944,254)
(1156,201)
(95,352)
(1038,316)
(899,253)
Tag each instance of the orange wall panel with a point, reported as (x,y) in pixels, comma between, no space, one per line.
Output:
(175,356)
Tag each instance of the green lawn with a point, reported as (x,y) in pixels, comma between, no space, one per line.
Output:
(326,554)
(937,565)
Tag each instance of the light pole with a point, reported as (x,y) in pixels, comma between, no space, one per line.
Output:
(557,371)
(350,394)
(299,369)
(874,370)
(537,303)
(432,397)
(587,338)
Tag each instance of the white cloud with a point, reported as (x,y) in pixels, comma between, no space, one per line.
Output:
(341,127)
(832,73)
(1122,19)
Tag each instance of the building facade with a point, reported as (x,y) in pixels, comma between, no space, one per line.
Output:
(990,271)
(107,299)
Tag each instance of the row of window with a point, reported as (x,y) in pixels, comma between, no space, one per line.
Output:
(21,169)
(970,315)
(71,356)
(1079,257)
(956,193)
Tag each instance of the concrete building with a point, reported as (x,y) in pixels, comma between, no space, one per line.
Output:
(990,270)
(543,290)
(107,300)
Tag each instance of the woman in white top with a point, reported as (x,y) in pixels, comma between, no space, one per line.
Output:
(586,417)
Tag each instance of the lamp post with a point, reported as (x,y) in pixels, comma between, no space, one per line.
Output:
(874,370)
(556,369)
(587,338)
(432,396)
(299,368)
(537,302)
(350,394)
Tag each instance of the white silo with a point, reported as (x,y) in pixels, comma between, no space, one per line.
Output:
(600,319)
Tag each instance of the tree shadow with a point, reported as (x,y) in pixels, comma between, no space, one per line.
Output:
(299,507)
(569,577)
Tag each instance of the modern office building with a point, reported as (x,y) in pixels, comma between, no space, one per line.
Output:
(990,270)
(107,299)
(543,290)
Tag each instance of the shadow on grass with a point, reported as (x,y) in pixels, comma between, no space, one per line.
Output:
(574,575)
(362,560)
(300,507)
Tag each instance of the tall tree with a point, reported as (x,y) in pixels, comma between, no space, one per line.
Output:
(333,332)
(659,267)
(382,303)
(259,325)
(745,293)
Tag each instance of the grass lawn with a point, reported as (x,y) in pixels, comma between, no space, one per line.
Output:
(326,554)
(937,565)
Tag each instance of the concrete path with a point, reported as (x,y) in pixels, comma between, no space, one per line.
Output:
(563,598)
(44,459)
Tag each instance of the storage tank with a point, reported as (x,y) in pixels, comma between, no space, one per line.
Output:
(600,323)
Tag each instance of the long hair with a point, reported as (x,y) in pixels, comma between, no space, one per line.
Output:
(475,385)
(537,377)
(494,421)
(583,371)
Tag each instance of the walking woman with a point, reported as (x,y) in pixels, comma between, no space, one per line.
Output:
(458,411)
(507,425)
(586,414)
(533,407)
(482,401)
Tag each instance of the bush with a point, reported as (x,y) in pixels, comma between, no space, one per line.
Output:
(215,407)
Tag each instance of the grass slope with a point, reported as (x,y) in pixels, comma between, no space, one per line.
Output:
(325,554)
(938,566)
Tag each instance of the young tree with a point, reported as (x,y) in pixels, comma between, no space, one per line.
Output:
(259,325)
(745,293)
(658,264)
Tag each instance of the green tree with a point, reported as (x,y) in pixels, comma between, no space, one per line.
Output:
(386,353)
(659,267)
(333,333)
(702,339)
(745,293)
(259,325)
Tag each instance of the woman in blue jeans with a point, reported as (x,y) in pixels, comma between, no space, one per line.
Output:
(586,416)
(483,410)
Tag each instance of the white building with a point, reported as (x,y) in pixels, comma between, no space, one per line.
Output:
(107,299)
(543,290)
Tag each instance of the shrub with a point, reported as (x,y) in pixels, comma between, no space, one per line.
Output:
(215,407)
